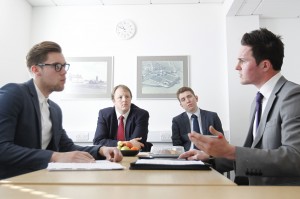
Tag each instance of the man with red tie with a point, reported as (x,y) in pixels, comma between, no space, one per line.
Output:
(123,122)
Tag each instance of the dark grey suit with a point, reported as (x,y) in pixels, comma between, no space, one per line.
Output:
(181,127)
(20,131)
(273,158)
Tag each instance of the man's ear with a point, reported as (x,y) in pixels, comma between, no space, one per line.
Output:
(36,70)
(266,65)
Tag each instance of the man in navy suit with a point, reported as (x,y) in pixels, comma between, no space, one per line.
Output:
(136,121)
(31,132)
(182,123)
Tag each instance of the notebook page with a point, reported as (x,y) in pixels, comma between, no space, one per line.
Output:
(169,162)
(98,165)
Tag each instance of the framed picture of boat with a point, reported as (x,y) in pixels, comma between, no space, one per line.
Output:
(161,76)
(89,77)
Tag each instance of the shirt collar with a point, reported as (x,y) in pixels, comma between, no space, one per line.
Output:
(124,115)
(197,113)
(40,95)
(268,87)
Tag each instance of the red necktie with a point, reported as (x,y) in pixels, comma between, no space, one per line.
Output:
(121,134)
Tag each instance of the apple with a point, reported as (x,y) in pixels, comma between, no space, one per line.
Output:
(120,143)
(129,144)
(125,148)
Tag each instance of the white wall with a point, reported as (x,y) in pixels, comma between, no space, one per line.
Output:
(193,30)
(241,96)
(15,19)
(289,29)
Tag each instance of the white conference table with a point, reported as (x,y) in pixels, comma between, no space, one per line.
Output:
(33,191)
(123,177)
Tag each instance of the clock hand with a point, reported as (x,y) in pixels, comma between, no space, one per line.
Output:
(122,27)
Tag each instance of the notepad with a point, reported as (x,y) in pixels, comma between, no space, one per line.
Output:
(98,165)
(168,164)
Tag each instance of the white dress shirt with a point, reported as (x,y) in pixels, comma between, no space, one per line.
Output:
(46,123)
(197,113)
(266,91)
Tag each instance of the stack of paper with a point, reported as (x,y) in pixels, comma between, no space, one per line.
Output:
(98,165)
(168,162)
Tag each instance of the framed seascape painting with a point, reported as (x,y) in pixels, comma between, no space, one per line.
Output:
(161,76)
(89,77)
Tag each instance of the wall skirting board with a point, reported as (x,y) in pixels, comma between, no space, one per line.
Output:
(156,137)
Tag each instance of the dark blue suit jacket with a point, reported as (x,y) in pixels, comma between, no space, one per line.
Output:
(20,131)
(181,127)
(136,126)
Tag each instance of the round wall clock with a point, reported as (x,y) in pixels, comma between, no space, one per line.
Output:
(125,29)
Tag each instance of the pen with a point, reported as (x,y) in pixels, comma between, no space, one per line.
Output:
(214,136)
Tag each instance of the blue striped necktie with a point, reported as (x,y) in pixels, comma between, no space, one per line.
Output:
(195,123)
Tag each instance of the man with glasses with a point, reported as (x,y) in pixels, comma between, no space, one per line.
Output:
(31,132)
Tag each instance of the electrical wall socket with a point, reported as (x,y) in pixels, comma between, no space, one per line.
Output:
(82,137)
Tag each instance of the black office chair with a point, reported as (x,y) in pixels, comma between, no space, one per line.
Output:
(241,180)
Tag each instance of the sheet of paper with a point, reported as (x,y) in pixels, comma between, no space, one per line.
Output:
(169,162)
(98,165)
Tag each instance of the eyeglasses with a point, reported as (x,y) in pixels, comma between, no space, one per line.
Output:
(58,67)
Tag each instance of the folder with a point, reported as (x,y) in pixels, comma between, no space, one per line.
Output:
(168,164)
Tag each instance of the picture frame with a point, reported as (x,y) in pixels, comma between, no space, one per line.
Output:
(89,77)
(161,76)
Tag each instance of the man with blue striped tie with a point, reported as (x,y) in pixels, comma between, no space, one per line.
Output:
(193,119)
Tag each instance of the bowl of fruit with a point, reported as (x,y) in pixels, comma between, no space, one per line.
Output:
(127,149)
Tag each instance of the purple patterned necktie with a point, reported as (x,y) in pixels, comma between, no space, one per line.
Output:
(258,107)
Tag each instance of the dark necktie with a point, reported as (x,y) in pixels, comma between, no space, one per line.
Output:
(121,134)
(195,123)
(258,107)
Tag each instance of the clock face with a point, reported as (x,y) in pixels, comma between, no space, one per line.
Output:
(125,29)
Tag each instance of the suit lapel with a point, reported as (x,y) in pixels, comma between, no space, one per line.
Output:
(36,106)
(266,112)
(204,123)
(55,125)
(186,122)
(127,125)
(114,125)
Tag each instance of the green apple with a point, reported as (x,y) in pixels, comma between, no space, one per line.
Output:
(120,143)
(125,148)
